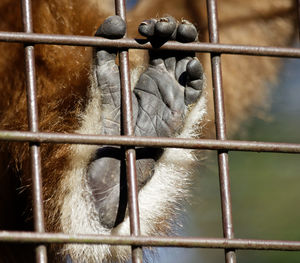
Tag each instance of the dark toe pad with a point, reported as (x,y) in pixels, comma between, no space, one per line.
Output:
(113,27)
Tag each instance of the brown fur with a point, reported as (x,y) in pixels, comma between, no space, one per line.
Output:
(62,79)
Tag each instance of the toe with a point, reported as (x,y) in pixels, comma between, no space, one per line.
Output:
(113,27)
(191,95)
(166,27)
(195,81)
(194,69)
(186,32)
(147,27)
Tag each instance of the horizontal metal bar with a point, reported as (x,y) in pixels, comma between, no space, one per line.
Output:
(187,242)
(207,144)
(143,44)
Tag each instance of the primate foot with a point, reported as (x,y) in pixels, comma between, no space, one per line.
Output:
(172,82)
(162,97)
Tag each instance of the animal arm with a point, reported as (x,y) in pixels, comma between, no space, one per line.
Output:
(167,92)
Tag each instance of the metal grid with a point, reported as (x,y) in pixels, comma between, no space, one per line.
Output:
(221,144)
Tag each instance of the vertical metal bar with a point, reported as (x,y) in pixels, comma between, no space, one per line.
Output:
(230,255)
(41,252)
(298,16)
(130,154)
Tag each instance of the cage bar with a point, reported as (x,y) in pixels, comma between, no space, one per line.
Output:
(130,154)
(224,180)
(186,242)
(38,211)
(166,142)
(298,16)
(125,43)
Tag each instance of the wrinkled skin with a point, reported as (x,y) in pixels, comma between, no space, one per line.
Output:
(161,98)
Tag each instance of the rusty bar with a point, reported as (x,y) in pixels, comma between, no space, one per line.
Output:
(74,40)
(165,142)
(41,252)
(130,154)
(230,255)
(298,17)
(187,242)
